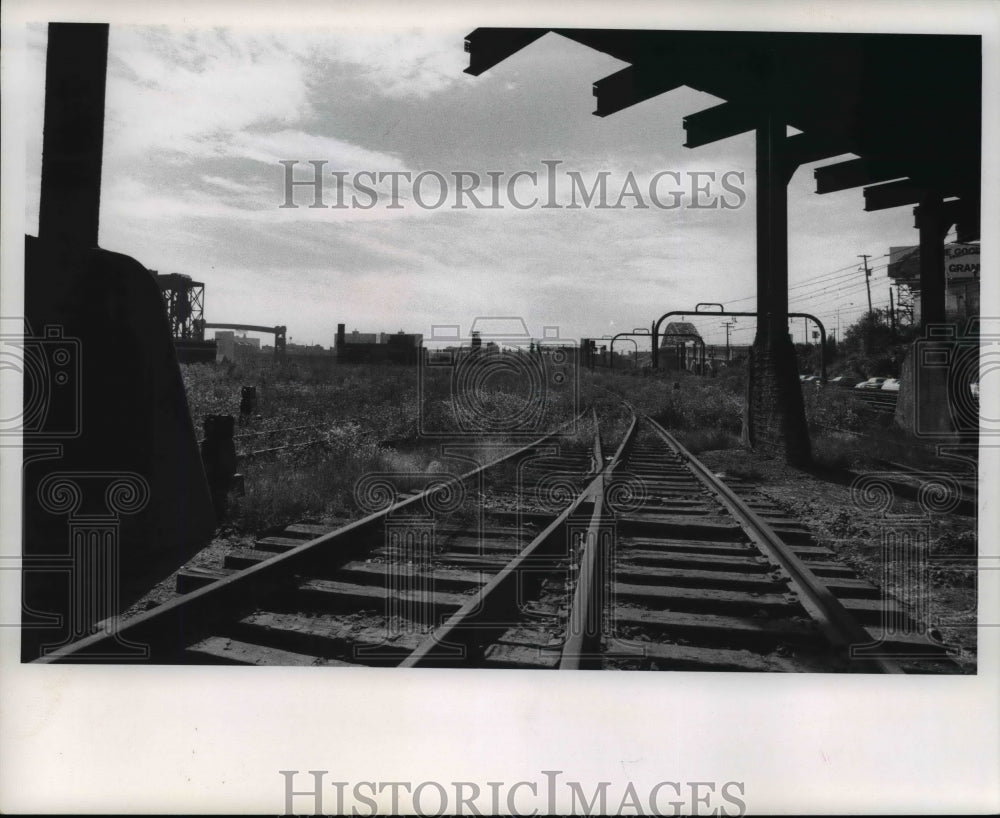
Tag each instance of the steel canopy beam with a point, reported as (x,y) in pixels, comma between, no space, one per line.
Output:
(866,94)
(487,47)
(964,214)
(893,194)
(803,148)
(719,122)
(856,172)
(629,87)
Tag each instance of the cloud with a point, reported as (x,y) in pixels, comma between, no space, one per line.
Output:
(198,120)
(413,63)
(274,146)
(228,184)
(186,93)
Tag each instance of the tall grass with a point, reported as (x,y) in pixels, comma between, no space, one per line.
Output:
(368,418)
(318,482)
(379,418)
(702,412)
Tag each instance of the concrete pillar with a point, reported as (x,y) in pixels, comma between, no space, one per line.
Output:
(930,399)
(775,411)
(933,224)
(73,140)
(111,400)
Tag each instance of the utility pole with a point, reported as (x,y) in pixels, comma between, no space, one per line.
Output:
(892,314)
(868,286)
(727,325)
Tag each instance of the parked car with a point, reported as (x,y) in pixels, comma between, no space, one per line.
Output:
(891,385)
(843,381)
(871,383)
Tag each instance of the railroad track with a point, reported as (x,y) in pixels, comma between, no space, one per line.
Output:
(367,593)
(674,571)
(640,560)
(959,482)
(877,400)
(707,577)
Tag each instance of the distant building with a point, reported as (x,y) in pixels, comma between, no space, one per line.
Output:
(308,350)
(233,347)
(961,270)
(372,347)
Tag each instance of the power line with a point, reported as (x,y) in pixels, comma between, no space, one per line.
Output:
(817,279)
(868,276)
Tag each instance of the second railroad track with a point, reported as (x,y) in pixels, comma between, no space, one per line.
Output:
(553,555)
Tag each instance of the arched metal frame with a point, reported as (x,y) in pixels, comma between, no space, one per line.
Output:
(611,350)
(644,334)
(697,311)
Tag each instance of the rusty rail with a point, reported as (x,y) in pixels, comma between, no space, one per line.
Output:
(840,627)
(584,622)
(169,629)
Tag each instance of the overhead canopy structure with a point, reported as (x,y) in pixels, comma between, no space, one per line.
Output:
(908,106)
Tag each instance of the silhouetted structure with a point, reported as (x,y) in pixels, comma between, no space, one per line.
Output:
(115,497)
(218,453)
(867,94)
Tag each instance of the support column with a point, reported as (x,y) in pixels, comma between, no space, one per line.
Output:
(933,224)
(776,414)
(73,140)
(772,229)
(91,315)
(931,400)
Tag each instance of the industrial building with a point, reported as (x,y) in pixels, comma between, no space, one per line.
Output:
(371,347)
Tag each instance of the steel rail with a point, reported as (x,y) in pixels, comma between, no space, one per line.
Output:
(587,608)
(493,607)
(273,449)
(963,477)
(170,628)
(263,432)
(840,627)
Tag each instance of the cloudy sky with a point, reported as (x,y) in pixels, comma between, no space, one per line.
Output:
(198,121)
